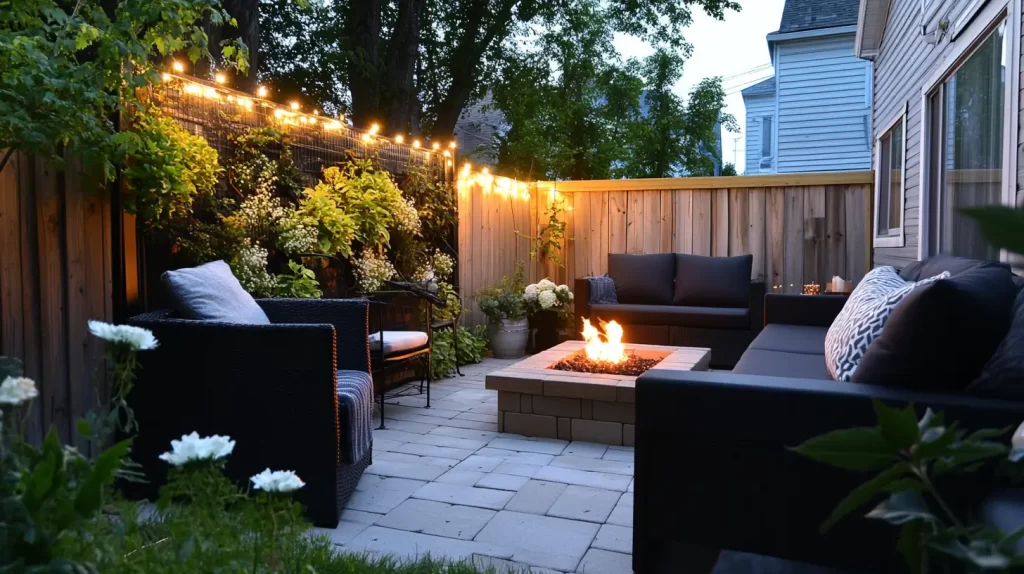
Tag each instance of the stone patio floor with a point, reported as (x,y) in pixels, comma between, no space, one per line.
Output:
(445,482)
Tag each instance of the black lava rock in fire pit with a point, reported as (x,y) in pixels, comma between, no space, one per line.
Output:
(633,366)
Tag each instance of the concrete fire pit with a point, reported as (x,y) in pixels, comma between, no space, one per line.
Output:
(538,401)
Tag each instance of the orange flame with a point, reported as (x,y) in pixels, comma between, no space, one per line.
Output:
(609,350)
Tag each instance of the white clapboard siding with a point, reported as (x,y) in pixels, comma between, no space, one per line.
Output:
(824,112)
(757,108)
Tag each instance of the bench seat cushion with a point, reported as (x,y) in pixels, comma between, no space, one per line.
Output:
(673,316)
(397,341)
(791,339)
(783,364)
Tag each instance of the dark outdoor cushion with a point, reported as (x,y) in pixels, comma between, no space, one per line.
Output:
(942,334)
(211,292)
(782,364)
(791,339)
(1003,375)
(673,316)
(643,279)
(713,281)
(602,290)
(938,263)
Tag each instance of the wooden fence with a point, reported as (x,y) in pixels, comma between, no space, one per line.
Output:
(55,275)
(799,227)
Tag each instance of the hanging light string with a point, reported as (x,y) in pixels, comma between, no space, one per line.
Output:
(489,183)
(293,115)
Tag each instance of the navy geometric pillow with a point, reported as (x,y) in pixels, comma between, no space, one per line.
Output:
(602,291)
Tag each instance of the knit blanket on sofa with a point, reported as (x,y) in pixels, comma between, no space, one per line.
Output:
(355,396)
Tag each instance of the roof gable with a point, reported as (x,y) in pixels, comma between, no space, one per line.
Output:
(803,15)
(765,88)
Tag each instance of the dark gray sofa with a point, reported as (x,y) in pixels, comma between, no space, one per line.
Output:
(731,481)
(721,308)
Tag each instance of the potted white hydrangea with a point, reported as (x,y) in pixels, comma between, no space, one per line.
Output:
(549,308)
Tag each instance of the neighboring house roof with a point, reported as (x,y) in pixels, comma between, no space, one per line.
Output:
(803,15)
(476,129)
(765,88)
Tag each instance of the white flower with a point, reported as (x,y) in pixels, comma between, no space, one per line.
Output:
(192,447)
(277,481)
(531,293)
(545,285)
(547,299)
(16,390)
(562,288)
(137,338)
(570,295)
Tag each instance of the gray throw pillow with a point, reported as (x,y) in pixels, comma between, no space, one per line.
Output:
(211,292)
(602,290)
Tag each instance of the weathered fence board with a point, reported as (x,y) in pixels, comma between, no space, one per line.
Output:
(55,275)
(798,228)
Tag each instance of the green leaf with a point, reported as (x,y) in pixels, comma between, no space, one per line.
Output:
(902,507)
(898,427)
(1002,226)
(861,448)
(910,546)
(10,367)
(864,493)
(90,495)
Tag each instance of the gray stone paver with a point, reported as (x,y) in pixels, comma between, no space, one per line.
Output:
(445,482)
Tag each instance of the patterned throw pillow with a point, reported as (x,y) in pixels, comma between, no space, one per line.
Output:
(602,291)
(863,318)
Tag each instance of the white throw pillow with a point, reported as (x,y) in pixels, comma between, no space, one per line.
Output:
(864,316)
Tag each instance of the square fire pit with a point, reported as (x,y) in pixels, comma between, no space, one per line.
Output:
(536,400)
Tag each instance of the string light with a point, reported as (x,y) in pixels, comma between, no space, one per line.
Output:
(436,146)
(447,153)
(219,78)
(211,93)
(374,129)
(177,67)
(193,89)
(295,106)
(316,112)
(261,91)
(166,77)
(449,163)
(451,144)
(416,144)
(399,138)
(367,138)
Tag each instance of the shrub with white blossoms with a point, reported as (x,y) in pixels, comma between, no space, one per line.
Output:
(546,295)
(299,238)
(193,448)
(406,217)
(372,270)
(277,481)
(250,267)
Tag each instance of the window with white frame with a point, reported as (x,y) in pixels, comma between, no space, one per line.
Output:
(767,138)
(966,126)
(891,156)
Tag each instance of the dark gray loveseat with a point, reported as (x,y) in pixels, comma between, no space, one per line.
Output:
(731,482)
(681,300)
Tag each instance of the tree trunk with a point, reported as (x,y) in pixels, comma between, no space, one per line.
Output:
(364,63)
(403,53)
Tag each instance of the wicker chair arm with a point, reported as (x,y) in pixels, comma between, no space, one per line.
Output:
(350,318)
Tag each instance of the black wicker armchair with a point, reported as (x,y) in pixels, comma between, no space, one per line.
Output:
(272,388)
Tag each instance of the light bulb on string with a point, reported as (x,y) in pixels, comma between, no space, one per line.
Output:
(374,129)
(261,91)
(177,67)
(295,106)
(416,144)
(436,146)
(399,138)
(219,78)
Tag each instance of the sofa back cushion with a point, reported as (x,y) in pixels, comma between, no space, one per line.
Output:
(1003,374)
(936,264)
(942,334)
(713,281)
(643,279)
(211,292)
(863,317)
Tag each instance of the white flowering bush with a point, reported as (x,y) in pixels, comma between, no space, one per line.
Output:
(250,267)
(406,217)
(299,238)
(372,270)
(193,448)
(547,296)
(258,214)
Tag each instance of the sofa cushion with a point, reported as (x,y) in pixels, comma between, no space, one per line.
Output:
(1003,375)
(782,364)
(397,341)
(211,292)
(938,263)
(713,281)
(863,317)
(643,279)
(672,315)
(602,290)
(791,339)
(942,334)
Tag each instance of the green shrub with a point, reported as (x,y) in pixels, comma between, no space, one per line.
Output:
(443,360)
(301,283)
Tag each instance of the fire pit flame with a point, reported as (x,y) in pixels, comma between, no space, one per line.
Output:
(610,349)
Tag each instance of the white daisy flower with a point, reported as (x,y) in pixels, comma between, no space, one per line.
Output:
(137,338)
(17,390)
(192,448)
(277,481)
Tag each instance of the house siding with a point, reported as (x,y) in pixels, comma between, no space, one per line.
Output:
(757,107)
(824,109)
(904,63)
